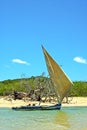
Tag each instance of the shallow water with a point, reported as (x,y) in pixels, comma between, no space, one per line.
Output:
(69,118)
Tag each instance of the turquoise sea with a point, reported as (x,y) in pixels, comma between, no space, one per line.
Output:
(68,118)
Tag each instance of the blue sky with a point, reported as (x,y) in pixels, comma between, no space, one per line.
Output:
(59,25)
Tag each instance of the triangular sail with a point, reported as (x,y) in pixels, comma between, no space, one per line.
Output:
(60,81)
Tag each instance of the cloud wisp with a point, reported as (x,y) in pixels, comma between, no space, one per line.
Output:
(19,61)
(80,60)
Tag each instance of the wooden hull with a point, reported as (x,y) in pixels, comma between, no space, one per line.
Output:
(33,108)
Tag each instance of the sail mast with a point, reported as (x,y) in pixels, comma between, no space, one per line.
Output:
(60,80)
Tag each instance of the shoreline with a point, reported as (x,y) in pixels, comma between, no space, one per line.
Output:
(9,103)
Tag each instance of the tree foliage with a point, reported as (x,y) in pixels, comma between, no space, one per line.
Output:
(27,84)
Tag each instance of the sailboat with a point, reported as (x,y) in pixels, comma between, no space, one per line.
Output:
(61,84)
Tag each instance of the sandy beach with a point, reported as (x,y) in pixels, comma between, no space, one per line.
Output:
(7,102)
(76,101)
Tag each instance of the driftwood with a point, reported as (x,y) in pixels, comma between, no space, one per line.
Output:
(19,95)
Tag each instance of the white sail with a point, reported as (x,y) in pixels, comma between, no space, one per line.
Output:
(60,80)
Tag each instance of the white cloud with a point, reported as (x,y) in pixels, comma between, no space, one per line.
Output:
(20,61)
(80,60)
